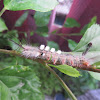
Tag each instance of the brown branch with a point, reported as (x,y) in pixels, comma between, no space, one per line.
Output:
(14,53)
(2,11)
(88,68)
(10,52)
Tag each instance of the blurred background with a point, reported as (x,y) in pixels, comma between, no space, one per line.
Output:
(61,28)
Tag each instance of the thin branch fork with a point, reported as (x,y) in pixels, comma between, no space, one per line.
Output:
(12,52)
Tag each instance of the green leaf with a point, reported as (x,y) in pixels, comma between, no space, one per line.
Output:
(83,30)
(21,20)
(22,83)
(93,21)
(95,75)
(54,32)
(91,35)
(4,92)
(68,70)
(13,45)
(42,18)
(31,33)
(70,22)
(71,44)
(53,44)
(44,34)
(42,29)
(38,5)
(11,34)
(2,25)
(25,34)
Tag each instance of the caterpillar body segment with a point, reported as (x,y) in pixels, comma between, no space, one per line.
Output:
(55,56)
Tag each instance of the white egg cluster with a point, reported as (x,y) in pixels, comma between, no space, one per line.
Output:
(47,48)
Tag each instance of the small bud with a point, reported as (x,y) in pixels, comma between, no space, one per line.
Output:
(59,51)
(47,48)
(52,50)
(42,47)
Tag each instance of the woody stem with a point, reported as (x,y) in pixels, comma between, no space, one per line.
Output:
(2,11)
(72,96)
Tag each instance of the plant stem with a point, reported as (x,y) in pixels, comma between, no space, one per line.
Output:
(2,11)
(10,52)
(62,83)
(88,68)
(72,34)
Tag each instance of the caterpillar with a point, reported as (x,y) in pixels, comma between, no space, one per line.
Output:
(46,53)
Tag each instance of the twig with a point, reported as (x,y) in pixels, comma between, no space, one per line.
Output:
(10,52)
(88,68)
(71,34)
(2,11)
(72,96)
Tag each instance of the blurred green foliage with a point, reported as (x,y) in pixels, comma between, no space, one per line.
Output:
(92,21)
(71,44)
(70,22)
(22,83)
(53,44)
(82,84)
(41,5)
(2,25)
(42,21)
(21,20)
(42,18)
(42,31)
